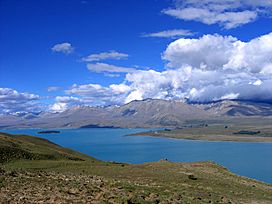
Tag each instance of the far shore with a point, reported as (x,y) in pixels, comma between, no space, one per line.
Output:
(179,134)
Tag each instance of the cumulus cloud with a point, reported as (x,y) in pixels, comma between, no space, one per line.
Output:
(209,52)
(198,85)
(254,56)
(215,52)
(64,102)
(103,67)
(206,69)
(227,13)
(14,101)
(65,48)
(170,33)
(104,56)
(95,94)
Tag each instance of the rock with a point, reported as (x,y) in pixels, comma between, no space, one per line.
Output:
(13,174)
(72,191)
(2,171)
(192,177)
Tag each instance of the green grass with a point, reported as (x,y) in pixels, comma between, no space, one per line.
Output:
(14,147)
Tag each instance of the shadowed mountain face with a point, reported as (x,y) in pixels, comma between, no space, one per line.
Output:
(145,113)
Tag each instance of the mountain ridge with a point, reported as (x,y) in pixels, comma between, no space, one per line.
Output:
(139,113)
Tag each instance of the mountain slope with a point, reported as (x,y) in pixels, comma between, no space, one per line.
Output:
(237,108)
(152,112)
(145,113)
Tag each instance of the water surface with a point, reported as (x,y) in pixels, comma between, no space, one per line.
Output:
(253,160)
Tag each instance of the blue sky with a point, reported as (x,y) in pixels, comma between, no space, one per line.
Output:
(141,30)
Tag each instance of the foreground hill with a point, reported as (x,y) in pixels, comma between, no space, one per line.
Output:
(17,147)
(145,113)
(51,174)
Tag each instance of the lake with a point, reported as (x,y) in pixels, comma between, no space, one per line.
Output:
(252,160)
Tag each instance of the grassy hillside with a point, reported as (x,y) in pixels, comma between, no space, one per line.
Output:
(35,170)
(14,147)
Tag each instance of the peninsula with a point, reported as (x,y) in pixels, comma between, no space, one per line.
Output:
(217,132)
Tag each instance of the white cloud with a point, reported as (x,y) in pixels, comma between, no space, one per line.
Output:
(227,13)
(95,94)
(14,101)
(170,33)
(7,94)
(198,85)
(65,48)
(215,52)
(209,51)
(103,67)
(230,96)
(53,88)
(67,99)
(119,88)
(58,107)
(258,82)
(64,102)
(104,56)
(255,55)
(111,75)
(210,68)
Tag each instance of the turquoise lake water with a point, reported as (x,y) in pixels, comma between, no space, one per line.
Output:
(253,160)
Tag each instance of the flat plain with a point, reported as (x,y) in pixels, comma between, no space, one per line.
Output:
(236,130)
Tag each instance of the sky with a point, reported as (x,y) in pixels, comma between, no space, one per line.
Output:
(59,54)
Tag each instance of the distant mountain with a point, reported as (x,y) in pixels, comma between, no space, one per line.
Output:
(154,112)
(144,113)
(235,108)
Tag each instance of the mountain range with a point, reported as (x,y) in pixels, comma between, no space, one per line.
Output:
(142,113)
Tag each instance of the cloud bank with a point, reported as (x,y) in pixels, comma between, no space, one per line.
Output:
(14,101)
(95,94)
(209,68)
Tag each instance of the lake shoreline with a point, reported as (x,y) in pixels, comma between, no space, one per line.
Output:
(111,145)
(32,164)
(211,138)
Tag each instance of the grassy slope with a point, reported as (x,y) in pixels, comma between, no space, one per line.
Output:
(54,174)
(14,147)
